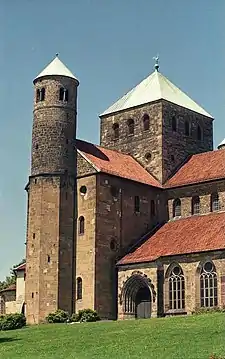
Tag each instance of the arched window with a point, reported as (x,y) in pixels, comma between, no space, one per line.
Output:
(176,289)
(130,124)
(187,128)
(195,205)
(81,225)
(152,208)
(215,203)
(199,133)
(136,204)
(42,94)
(177,207)
(146,122)
(63,94)
(208,285)
(174,124)
(79,288)
(38,95)
(116,130)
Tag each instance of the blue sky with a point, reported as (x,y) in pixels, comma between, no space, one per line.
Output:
(109,46)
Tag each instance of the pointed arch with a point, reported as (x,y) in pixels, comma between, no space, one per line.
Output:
(175,287)
(208,285)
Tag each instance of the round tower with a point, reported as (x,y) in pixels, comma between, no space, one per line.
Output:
(54,120)
(51,227)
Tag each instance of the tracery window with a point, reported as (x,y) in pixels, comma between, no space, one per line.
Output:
(146,122)
(176,289)
(130,124)
(195,204)
(208,285)
(116,130)
(215,203)
(79,288)
(177,207)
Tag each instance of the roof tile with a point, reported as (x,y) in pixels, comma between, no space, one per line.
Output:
(182,236)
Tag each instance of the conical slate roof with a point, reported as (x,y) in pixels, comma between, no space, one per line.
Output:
(155,87)
(56,67)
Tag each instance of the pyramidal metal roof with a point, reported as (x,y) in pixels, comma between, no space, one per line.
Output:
(155,87)
(56,67)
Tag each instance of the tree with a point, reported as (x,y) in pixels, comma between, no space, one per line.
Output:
(11,279)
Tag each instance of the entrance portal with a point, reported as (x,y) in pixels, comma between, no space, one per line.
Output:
(143,303)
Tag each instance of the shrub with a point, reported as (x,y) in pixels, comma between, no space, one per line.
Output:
(12,321)
(85,315)
(211,310)
(59,316)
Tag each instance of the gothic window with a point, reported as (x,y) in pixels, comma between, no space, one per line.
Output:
(199,133)
(174,124)
(81,225)
(63,94)
(208,285)
(152,208)
(136,204)
(195,204)
(130,124)
(38,95)
(116,130)
(187,128)
(177,208)
(176,289)
(42,94)
(146,122)
(215,203)
(79,288)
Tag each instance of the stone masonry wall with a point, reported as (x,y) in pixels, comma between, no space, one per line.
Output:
(202,190)
(176,145)
(117,227)
(85,247)
(141,142)
(190,265)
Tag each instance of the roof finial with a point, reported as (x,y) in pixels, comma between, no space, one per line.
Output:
(156,58)
(57,55)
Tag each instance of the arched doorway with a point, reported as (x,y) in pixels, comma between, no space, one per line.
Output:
(136,297)
(143,303)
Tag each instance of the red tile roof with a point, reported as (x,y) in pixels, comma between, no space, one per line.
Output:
(200,168)
(9,288)
(20,267)
(182,236)
(116,163)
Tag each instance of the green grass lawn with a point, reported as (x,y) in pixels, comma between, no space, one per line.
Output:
(193,337)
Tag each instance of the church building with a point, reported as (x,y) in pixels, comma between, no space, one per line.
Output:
(133,227)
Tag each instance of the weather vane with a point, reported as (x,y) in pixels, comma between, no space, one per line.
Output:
(156,58)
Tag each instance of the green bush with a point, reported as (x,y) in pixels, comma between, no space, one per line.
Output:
(59,316)
(12,321)
(85,315)
(211,310)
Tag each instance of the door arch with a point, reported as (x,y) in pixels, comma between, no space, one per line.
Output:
(143,303)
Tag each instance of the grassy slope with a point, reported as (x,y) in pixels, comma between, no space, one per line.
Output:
(194,337)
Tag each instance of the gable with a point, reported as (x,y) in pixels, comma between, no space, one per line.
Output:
(83,166)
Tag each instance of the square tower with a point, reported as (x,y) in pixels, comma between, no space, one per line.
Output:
(158,124)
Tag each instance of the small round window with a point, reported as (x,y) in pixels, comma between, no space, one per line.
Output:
(148,156)
(83,190)
(208,267)
(113,245)
(176,270)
